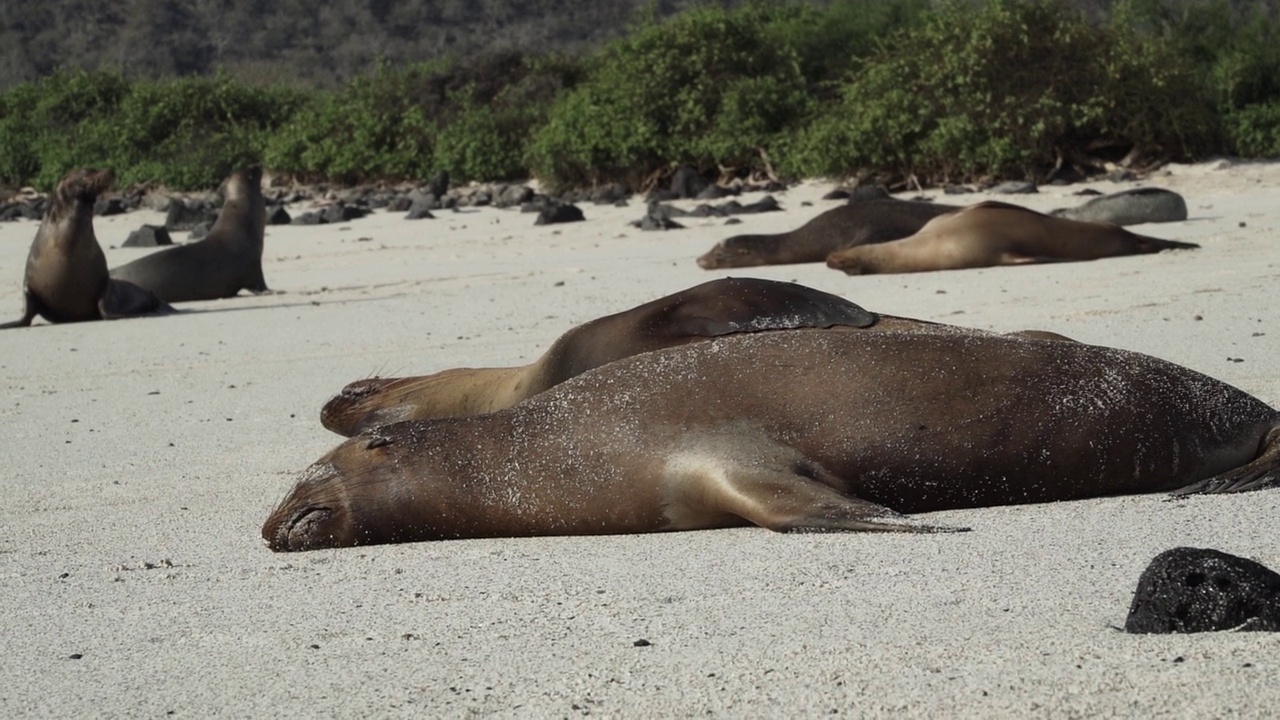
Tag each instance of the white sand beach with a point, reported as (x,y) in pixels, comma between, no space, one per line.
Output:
(143,455)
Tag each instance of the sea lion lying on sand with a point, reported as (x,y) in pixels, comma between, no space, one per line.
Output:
(802,430)
(860,222)
(996,233)
(713,309)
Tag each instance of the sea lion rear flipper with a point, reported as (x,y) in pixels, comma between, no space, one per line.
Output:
(1158,244)
(124,299)
(30,309)
(1261,473)
(798,498)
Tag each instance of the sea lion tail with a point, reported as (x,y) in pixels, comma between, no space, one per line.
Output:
(1261,473)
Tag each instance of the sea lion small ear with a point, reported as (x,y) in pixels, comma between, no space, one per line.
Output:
(377,441)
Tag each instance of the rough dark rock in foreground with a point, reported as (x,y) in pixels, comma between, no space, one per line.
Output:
(1188,590)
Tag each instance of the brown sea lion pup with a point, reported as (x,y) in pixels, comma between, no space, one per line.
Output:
(996,233)
(799,430)
(226,261)
(858,223)
(66,277)
(712,309)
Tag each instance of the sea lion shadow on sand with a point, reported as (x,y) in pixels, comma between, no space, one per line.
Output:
(66,276)
(803,430)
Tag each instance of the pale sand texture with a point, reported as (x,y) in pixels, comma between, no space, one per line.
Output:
(141,457)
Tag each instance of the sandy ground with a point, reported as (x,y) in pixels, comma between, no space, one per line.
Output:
(142,456)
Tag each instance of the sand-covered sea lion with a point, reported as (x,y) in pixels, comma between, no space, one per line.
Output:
(720,307)
(66,277)
(858,223)
(226,261)
(995,233)
(801,430)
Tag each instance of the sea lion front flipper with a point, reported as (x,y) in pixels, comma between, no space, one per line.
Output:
(30,308)
(257,283)
(797,497)
(1261,473)
(123,299)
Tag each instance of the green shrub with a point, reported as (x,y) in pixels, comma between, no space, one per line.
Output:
(373,128)
(1254,130)
(1006,89)
(902,88)
(674,92)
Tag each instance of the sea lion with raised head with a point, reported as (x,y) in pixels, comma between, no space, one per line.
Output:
(800,430)
(711,309)
(858,223)
(226,261)
(995,233)
(704,312)
(66,277)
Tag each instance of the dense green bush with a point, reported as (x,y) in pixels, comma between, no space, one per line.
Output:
(676,92)
(1254,131)
(899,88)
(42,124)
(1007,89)
(375,127)
(185,133)
(486,128)
(470,119)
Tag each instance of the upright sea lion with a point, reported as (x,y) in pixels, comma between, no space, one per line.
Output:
(798,430)
(227,260)
(995,233)
(66,277)
(719,307)
(859,223)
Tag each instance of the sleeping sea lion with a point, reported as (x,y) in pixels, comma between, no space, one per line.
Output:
(801,430)
(703,312)
(995,233)
(226,261)
(66,277)
(858,223)
(712,309)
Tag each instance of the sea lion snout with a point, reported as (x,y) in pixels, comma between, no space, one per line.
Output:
(730,253)
(361,389)
(314,515)
(85,184)
(714,258)
(351,411)
(302,529)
